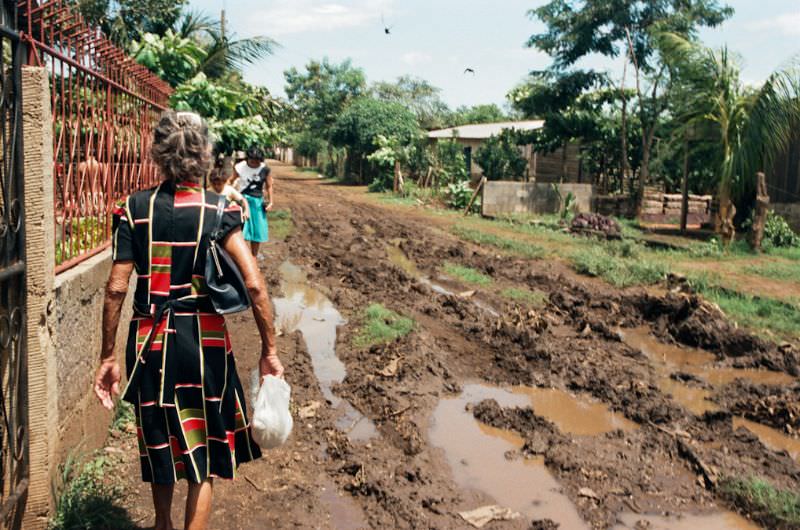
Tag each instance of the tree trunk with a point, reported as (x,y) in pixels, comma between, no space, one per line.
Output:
(727,211)
(398,178)
(760,213)
(685,184)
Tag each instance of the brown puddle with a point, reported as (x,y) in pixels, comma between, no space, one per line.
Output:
(771,438)
(344,512)
(307,310)
(716,521)
(668,358)
(572,414)
(476,454)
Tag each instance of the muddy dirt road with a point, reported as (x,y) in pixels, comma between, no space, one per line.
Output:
(590,410)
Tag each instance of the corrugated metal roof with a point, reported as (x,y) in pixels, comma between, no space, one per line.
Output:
(482,131)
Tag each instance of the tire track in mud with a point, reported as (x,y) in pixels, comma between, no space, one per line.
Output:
(399,479)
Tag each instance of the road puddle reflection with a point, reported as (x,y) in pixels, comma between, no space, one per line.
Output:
(305,309)
(717,521)
(476,454)
(771,438)
(573,414)
(668,359)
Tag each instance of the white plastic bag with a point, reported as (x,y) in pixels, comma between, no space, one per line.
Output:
(272,421)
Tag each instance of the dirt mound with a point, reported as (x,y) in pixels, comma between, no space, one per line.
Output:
(595,224)
(776,406)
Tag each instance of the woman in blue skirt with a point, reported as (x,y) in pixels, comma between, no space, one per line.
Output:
(254,180)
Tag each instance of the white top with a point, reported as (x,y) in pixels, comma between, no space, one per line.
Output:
(251,179)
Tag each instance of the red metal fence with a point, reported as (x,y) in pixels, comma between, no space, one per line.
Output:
(105,106)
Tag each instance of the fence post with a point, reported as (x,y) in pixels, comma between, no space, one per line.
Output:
(40,253)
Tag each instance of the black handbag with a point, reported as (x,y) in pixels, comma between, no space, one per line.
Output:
(223,280)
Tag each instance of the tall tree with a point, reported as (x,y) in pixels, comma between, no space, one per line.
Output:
(576,29)
(484,113)
(751,126)
(323,91)
(418,95)
(125,20)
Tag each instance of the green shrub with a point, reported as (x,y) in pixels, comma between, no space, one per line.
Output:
(87,496)
(501,159)
(381,325)
(459,194)
(777,232)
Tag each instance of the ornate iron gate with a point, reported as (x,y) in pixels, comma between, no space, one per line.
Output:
(13,363)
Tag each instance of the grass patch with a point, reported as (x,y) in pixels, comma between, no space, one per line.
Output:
(381,325)
(764,502)
(466,274)
(775,270)
(757,313)
(525,296)
(619,264)
(86,497)
(527,250)
(281,224)
(792,253)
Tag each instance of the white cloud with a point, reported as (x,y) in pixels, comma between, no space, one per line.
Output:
(786,23)
(285,17)
(416,58)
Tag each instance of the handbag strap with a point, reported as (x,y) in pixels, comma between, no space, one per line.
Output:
(218,219)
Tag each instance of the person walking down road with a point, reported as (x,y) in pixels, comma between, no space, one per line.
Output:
(254,180)
(191,420)
(220,185)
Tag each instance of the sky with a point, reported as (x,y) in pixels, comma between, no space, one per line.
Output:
(437,39)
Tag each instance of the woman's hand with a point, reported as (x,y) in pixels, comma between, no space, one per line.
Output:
(245,211)
(106,382)
(270,365)
(268,206)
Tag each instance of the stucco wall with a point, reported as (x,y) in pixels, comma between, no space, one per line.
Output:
(78,317)
(503,198)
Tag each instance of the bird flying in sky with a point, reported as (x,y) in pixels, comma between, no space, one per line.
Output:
(386,29)
(469,71)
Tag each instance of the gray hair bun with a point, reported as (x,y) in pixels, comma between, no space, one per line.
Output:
(181,146)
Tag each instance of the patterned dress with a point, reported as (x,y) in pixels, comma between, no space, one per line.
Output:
(191,419)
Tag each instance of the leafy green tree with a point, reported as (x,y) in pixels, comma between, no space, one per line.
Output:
(500,158)
(490,113)
(126,20)
(361,125)
(322,92)
(241,133)
(173,58)
(196,44)
(419,95)
(575,30)
(752,126)
(449,162)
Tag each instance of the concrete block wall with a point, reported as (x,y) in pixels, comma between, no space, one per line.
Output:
(505,198)
(78,295)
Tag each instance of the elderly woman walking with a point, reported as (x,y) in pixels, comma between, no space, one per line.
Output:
(191,419)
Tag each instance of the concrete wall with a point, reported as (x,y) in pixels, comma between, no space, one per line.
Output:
(790,211)
(503,198)
(77,321)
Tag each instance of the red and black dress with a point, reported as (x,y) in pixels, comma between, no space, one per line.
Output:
(191,419)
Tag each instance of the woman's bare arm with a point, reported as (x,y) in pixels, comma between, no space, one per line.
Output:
(270,191)
(108,374)
(238,249)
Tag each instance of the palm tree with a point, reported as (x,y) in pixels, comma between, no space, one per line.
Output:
(752,126)
(224,53)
